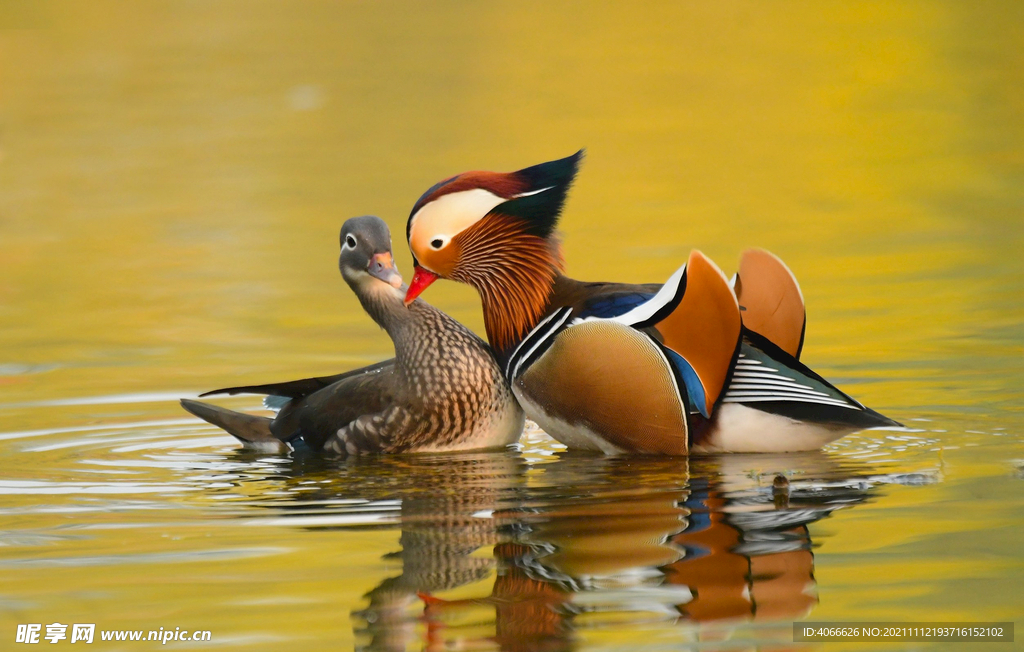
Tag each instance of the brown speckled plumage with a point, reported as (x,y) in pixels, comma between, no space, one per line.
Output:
(443,391)
(446,383)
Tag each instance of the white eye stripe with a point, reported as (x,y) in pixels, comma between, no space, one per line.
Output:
(451,214)
(350,242)
(532,192)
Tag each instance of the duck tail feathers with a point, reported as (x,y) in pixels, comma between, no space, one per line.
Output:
(304,386)
(253,431)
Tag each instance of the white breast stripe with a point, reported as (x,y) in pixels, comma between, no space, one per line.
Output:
(554,329)
(536,329)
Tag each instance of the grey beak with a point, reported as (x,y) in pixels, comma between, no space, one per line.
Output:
(382,267)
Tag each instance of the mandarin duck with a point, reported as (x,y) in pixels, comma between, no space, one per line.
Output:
(698,363)
(443,390)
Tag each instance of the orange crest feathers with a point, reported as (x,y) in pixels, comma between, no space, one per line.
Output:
(512,270)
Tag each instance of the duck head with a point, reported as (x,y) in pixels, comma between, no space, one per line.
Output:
(366,260)
(496,232)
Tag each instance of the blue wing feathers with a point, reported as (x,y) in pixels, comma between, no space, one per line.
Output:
(694,390)
(613,306)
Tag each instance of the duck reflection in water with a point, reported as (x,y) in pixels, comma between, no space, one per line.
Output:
(546,550)
(446,521)
(708,543)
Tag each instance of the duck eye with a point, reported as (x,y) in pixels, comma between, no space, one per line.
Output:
(436,243)
(350,241)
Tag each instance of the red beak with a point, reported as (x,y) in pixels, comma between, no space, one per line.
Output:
(420,280)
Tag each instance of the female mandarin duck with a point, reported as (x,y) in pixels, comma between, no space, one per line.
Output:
(443,391)
(698,363)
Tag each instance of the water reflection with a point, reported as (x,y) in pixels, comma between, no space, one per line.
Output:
(498,551)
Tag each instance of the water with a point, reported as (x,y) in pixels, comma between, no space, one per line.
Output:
(172,179)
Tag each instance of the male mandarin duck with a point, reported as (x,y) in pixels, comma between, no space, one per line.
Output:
(697,364)
(443,390)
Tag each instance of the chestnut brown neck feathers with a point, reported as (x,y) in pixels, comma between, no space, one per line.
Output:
(512,270)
